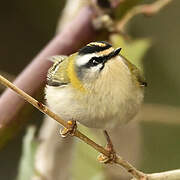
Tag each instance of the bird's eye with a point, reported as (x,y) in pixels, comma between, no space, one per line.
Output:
(94,61)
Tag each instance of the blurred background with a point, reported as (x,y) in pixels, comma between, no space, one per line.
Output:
(27,26)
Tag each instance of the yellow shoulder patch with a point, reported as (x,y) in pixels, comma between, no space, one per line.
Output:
(72,74)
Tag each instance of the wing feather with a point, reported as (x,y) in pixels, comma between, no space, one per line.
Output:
(136,72)
(57,74)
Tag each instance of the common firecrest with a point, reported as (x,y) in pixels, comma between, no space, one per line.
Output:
(95,86)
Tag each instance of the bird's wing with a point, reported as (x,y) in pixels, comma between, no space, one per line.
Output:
(136,72)
(57,74)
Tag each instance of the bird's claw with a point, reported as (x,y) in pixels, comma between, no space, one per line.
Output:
(109,147)
(107,159)
(72,126)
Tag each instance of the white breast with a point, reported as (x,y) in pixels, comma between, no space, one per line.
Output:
(62,101)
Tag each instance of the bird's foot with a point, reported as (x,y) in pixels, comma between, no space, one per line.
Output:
(72,126)
(109,147)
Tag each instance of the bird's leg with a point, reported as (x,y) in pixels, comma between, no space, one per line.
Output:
(72,126)
(109,147)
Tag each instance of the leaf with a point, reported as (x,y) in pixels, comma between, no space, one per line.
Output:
(133,50)
(26,166)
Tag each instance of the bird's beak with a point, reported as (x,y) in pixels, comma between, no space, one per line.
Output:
(116,52)
(113,53)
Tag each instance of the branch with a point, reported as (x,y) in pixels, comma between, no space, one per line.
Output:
(9,76)
(118,160)
(146,9)
(138,175)
(55,47)
(168,175)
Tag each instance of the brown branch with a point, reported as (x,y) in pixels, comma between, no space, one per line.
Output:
(118,160)
(61,44)
(78,32)
(138,175)
(146,9)
(168,175)
(9,76)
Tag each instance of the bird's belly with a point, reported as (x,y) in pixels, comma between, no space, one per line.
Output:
(91,112)
(61,101)
(112,114)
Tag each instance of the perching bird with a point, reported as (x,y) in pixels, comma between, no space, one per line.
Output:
(95,86)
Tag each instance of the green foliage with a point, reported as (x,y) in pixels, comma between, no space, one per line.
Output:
(26,167)
(133,50)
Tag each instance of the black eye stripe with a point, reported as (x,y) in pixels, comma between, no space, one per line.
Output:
(94,61)
(101,59)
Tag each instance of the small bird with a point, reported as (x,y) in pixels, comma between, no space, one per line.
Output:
(95,86)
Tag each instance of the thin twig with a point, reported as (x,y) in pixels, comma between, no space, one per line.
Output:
(146,9)
(135,173)
(173,175)
(138,175)
(167,175)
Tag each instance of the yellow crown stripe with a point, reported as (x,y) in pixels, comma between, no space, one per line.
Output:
(97,44)
(76,83)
